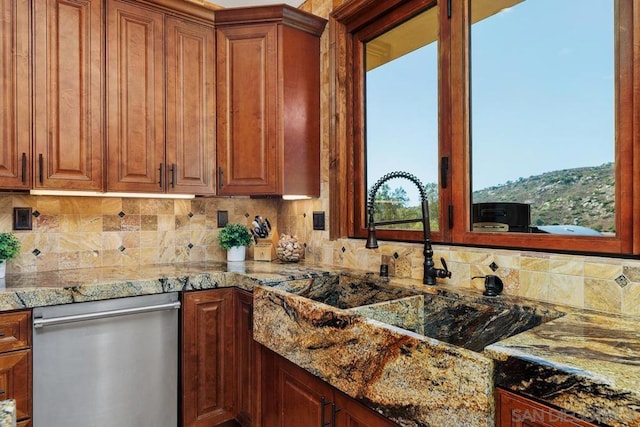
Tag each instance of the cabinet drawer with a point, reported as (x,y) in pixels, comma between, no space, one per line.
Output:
(15,380)
(15,331)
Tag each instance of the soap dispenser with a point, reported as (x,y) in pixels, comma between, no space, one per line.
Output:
(493,285)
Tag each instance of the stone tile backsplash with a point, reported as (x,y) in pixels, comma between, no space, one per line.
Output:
(81,232)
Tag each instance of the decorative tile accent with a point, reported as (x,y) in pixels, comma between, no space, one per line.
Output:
(622,280)
(121,214)
(343,249)
(121,248)
(190,214)
(36,252)
(246,215)
(493,266)
(36,214)
(395,255)
(190,245)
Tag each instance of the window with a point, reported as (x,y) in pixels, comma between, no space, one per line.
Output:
(526,91)
(401,123)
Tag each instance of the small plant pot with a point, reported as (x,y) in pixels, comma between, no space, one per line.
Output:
(236,253)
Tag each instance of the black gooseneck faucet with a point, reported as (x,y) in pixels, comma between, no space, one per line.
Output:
(430,271)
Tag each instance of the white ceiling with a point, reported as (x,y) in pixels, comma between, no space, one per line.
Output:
(241,3)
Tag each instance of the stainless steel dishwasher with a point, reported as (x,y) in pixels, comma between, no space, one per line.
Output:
(111,363)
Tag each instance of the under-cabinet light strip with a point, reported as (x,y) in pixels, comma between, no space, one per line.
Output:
(110,194)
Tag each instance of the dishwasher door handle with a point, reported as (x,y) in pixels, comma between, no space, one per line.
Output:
(40,322)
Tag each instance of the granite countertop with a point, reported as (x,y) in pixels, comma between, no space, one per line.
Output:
(8,413)
(81,285)
(586,363)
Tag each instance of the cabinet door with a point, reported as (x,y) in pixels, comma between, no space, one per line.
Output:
(207,357)
(293,397)
(248,363)
(517,411)
(351,413)
(247,110)
(135,98)
(190,107)
(15,380)
(68,81)
(15,94)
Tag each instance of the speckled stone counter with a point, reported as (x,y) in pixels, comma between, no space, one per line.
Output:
(585,363)
(421,356)
(69,286)
(8,413)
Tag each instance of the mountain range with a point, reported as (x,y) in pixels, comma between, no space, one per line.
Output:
(581,196)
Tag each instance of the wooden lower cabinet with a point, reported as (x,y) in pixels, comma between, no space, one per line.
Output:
(220,367)
(517,411)
(354,414)
(247,357)
(230,379)
(15,362)
(208,362)
(293,397)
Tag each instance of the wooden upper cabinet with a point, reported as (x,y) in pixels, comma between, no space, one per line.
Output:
(15,94)
(68,100)
(190,140)
(159,66)
(268,101)
(135,98)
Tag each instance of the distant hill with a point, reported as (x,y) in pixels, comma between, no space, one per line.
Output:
(580,196)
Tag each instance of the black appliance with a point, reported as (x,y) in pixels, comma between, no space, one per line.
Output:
(501,216)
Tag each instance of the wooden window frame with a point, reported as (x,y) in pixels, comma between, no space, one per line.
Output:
(358,21)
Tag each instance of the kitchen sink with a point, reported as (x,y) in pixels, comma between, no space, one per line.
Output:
(414,356)
(345,291)
(458,321)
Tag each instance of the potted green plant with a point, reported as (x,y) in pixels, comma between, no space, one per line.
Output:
(235,238)
(9,249)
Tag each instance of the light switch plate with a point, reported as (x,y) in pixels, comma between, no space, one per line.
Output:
(223,218)
(318,220)
(22,219)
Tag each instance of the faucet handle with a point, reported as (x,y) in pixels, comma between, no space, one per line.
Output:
(446,272)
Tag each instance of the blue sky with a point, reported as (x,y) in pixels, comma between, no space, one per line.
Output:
(542,96)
